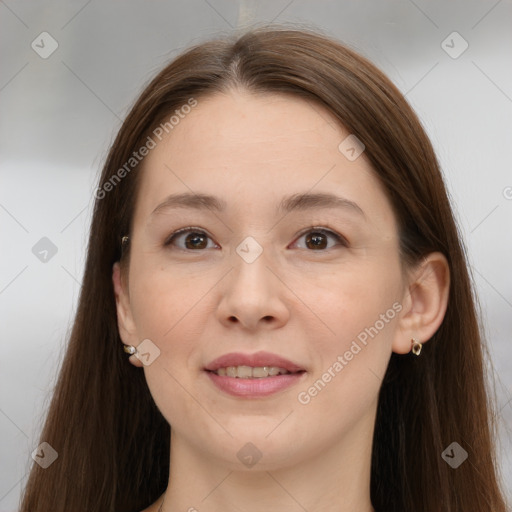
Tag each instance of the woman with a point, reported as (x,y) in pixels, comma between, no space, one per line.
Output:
(273,246)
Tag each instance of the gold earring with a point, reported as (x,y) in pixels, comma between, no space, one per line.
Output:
(416,347)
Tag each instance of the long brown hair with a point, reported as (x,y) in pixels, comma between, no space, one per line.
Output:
(113,442)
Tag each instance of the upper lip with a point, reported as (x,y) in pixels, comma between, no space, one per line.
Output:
(257,359)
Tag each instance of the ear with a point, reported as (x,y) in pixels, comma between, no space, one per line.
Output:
(424,303)
(125,322)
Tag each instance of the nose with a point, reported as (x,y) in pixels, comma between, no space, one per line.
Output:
(254,296)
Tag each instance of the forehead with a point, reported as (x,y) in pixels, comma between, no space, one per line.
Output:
(239,122)
(255,149)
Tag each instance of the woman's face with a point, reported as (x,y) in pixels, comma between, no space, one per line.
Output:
(264,273)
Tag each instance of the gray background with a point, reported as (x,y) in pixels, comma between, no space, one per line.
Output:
(60,113)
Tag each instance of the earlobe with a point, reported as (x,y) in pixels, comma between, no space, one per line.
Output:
(125,323)
(425,300)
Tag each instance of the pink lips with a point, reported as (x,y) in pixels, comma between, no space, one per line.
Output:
(257,387)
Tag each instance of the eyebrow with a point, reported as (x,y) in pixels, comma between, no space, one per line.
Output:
(295,202)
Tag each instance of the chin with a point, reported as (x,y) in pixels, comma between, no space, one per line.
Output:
(261,447)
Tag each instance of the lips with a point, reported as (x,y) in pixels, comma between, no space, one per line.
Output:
(258,359)
(253,376)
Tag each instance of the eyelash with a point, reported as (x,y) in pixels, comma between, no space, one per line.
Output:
(339,238)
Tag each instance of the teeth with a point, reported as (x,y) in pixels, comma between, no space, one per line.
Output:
(258,372)
(248,372)
(244,372)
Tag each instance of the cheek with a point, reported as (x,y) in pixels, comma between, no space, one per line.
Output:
(168,310)
(165,301)
(351,364)
(347,302)
(359,311)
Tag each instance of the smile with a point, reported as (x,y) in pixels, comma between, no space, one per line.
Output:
(250,372)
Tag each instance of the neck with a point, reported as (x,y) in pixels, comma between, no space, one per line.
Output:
(340,475)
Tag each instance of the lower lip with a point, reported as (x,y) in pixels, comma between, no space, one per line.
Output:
(254,388)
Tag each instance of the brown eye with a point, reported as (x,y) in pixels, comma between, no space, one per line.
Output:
(194,239)
(318,239)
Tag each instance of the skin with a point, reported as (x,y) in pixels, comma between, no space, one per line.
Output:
(295,300)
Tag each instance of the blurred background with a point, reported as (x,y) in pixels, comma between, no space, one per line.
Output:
(69,71)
